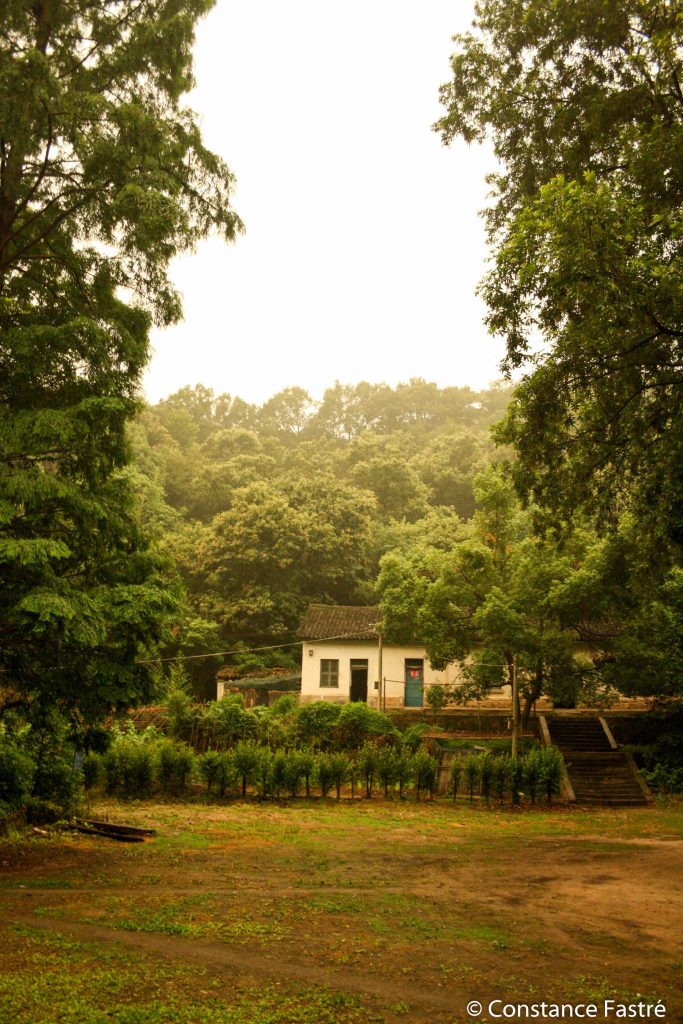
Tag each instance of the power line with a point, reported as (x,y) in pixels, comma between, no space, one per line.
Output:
(251,650)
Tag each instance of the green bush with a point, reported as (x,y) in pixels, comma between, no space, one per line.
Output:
(246,762)
(357,723)
(339,766)
(325,773)
(486,773)
(315,723)
(424,772)
(293,772)
(516,776)
(307,765)
(284,705)
(368,757)
(499,778)
(16,776)
(209,767)
(404,769)
(456,776)
(278,773)
(264,772)
(91,768)
(550,774)
(174,765)
(472,773)
(387,768)
(532,773)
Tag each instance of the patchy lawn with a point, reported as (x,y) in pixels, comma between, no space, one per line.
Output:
(333,914)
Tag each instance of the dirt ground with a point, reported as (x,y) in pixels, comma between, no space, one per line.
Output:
(392,911)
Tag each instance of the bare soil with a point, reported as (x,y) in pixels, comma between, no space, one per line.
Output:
(415,909)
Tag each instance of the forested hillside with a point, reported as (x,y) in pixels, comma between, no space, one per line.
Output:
(262,509)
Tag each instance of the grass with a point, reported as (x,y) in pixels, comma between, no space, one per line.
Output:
(322,912)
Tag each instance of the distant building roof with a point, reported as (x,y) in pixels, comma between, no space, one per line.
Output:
(341,621)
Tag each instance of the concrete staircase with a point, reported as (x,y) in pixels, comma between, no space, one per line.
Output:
(598,772)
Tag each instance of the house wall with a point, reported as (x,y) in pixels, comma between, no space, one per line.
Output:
(393,670)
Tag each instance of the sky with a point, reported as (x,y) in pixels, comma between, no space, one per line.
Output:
(363,244)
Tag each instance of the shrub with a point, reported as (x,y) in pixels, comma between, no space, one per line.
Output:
(315,723)
(404,770)
(91,769)
(486,772)
(246,763)
(411,739)
(439,696)
(278,773)
(386,768)
(354,775)
(209,765)
(532,773)
(339,765)
(264,771)
(178,702)
(16,776)
(175,762)
(367,761)
(357,722)
(293,773)
(307,764)
(456,776)
(516,776)
(472,772)
(424,771)
(283,705)
(499,779)
(325,773)
(550,775)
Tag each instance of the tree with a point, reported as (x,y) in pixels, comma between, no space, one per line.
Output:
(501,599)
(584,104)
(103,180)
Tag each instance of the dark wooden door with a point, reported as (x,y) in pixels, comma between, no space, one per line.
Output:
(359,679)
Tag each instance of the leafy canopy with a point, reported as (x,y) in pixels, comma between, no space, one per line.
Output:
(103,180)
(584,105)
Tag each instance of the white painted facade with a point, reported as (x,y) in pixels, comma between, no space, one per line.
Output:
(394,669)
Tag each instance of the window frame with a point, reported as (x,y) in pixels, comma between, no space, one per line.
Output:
(329,673)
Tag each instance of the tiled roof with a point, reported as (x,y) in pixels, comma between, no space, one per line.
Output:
(351,622)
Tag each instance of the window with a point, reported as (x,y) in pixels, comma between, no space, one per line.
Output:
(329,671)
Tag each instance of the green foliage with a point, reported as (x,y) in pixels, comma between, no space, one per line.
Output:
(368,759)
(357,723)
(178,704)
(16,775)
(209,767)
(550,775)
(325,772)
(472,773)
(175,766)
(387,769)
(283,705)
(424,769)
(339,766)
(586,228)
(91,769)
(315,723)
(278,773)
(456,776)
(246,756)
(101,187)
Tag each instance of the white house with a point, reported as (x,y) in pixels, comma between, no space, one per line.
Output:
(341,660)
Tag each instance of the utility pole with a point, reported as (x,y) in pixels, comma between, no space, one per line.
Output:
(379,672)
(515,709)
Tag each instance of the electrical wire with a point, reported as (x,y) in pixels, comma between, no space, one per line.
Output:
(251,650)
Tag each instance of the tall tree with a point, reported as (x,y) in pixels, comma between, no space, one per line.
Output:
(499,599)
(103,180)
(583,102)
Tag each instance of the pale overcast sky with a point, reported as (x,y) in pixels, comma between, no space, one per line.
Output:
(363,246)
